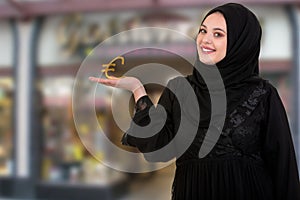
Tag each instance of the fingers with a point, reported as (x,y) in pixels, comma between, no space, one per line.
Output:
(94,79)
(128,83)
(109,82)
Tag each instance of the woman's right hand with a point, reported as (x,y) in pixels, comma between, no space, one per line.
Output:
(129,83)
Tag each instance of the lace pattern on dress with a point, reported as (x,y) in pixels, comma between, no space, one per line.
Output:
(240,138)
(243,111)
(142,103)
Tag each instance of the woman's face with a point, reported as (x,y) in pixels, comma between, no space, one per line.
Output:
(212,39)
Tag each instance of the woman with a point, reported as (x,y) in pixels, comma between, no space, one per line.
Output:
(254,156)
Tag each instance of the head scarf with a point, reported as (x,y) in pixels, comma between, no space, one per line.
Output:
(243,47)
(238,69)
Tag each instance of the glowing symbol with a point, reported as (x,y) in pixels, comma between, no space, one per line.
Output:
(111,64)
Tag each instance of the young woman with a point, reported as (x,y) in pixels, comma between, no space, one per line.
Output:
(254,156)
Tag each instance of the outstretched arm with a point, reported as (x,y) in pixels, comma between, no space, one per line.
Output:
(128,83)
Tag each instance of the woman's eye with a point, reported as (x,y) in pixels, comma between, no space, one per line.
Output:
(202,30)
(218,34)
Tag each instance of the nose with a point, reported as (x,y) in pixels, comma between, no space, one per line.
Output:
(207,39)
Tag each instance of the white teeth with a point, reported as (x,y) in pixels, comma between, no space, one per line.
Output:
(207,50)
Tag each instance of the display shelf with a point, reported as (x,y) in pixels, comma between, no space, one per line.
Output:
(6,71)
(275,66)
(151,48)
(6,129)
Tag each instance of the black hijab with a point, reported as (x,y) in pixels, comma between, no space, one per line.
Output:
(240,64)
(239,69)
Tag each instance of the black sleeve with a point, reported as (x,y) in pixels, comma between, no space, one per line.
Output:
(142,118)
(278,150)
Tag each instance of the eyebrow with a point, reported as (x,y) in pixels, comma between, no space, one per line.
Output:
(218,29)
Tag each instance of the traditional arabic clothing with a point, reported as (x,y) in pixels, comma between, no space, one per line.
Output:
(254,156)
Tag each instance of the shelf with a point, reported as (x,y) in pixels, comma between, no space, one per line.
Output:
(6,71)
(275,66)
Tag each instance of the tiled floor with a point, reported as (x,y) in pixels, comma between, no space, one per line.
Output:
(156,187)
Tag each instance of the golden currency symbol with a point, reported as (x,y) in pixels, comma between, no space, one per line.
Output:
(112,64)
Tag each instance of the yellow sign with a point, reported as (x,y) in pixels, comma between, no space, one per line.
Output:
(109,67)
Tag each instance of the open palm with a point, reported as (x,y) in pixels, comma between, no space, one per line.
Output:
(128,83)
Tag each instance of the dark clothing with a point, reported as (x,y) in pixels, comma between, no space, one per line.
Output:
(253,158)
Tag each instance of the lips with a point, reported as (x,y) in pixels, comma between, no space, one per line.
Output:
(206,49)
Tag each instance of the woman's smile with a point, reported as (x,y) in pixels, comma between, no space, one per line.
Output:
(212,39)
(207,50)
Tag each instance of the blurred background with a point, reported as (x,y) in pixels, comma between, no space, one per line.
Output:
(42,46)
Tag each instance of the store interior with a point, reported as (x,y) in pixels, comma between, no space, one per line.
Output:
(72,160)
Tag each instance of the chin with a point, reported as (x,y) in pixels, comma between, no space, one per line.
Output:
(207,61)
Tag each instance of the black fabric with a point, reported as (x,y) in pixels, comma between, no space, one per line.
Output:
(278,150)
(141,117)
(254,157)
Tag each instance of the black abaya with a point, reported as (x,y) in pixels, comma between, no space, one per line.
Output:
(254,157)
